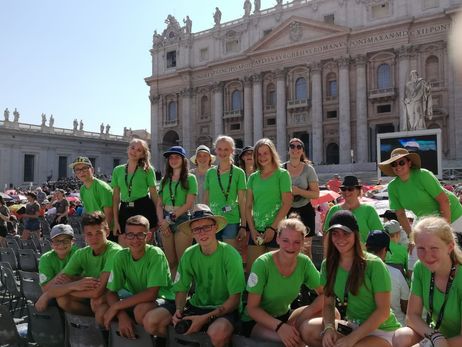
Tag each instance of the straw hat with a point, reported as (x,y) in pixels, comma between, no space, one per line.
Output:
(202,211)
(396,155)
(205,149)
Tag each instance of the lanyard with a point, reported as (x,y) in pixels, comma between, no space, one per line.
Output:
(226,194)
(342,306)
(129,184)
(452,274)
(172,193)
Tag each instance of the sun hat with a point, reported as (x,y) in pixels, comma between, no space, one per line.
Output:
(397,154)
(202,148)
(351,181)
(344,220)
(392,227)
(202,211)
(175,150)
(81,160)
(61,229)
(378,239)
(245,149)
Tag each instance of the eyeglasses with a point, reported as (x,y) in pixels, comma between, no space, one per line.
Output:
(64,242)
(347,189)
(292,146)
(205,229)
(402,162)
(84,169)
(132,236)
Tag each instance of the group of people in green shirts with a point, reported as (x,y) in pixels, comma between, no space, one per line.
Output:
(144,284)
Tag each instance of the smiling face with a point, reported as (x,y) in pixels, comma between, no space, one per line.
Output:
(295,149)
(432,251)
(402,168)
(350,193)
(135,236)
(175,161)
(203,158)
(83,172)
(224,150)
(264,157)
(344,241)
(95,236)
(61,244)
(136,151)
(203,231)
(290,242)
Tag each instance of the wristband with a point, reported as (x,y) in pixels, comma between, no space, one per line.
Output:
(212,318)
(242,227)
(279,326)
(328,326)
(270,227)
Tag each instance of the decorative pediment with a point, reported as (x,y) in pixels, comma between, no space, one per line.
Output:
(297,30)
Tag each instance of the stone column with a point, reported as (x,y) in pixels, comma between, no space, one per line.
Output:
(344,111)
(217,109)
(248,120)
(403,73)
(316,113)
(156,119)
(257,107)
(361,110)
(186,101)
(281,116)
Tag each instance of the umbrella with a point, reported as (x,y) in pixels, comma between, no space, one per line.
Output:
(325,196)
(6,197)
(11,192)
(72,198)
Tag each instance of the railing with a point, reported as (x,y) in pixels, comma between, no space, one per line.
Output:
(270,108)
(298,103)
(233,114)
(381,93)
(170,122)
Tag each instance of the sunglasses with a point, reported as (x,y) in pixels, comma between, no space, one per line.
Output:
(401,162)
(347,189)
(132,236)
(292,146)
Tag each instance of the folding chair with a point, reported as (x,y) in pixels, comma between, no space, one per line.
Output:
(46,246)
(143,339)
(317,251)
(36,242)
(178,340)
(7,255)
(79,240)
(82,331)
(16,300)
(28,244)
(74,221)
(9,335)
(28,260)
(30,286)
(46,328)
(45,227)
(13,244)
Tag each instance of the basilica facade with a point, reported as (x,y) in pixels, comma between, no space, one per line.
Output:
(331,72)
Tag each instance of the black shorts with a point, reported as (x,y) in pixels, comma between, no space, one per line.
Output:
(307,215)
(143,206)
(232,317)
(248,326)
(271,244)
(169,305)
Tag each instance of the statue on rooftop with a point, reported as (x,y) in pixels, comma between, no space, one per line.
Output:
(247,8)
(52,121)
(76,124)
(6,114)
(108,127)
(217,16)
(81,125)
(101,128)
(188,25)
(44,119)
(257,6)
(15,115)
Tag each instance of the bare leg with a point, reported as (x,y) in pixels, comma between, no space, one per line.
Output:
(182,241)
(168,243)
(156,321)
(220,332)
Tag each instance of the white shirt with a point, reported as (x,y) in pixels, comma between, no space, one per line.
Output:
(399,291)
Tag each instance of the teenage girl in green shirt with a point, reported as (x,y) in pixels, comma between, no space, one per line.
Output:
(436,286)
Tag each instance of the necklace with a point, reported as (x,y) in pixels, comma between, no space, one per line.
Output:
(295,167)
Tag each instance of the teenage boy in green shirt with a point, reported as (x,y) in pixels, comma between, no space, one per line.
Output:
(52,262)
(139,276)
(216,270)
(82,282)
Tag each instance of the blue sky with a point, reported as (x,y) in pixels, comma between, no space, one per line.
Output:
(87,59)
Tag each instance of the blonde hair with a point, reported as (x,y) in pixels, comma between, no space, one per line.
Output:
(293,222)
(145,162)
(272,147)
(439,227)
(228,140)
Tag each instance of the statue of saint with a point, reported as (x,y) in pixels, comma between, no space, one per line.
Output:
(257,6)
(125,131)
(217,16)
(81,125)
(108,127)
(52,121)
(6,114)
(188,25)
(418,102)
(101,128)
(44,119)
(15,115)
(76,124)
(247,8)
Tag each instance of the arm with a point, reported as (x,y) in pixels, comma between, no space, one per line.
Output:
(115,210)
(242,232)
(249,215)
(97,291)
(187,206)
(282,213)
(108,213)
(311,193)
(328,318)
(312,310)
(153,195)
(402,219)
(180,302)
(445,208)
(125,322)
(414,316)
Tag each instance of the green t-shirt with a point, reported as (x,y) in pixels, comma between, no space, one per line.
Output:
(216,276)
(420,286)
(136,276)
(376,280)
(50,265)
(398,255)
(418,194)
(97,197)
(84,263)
(366,216)
(216,196)
(278,292)
(267,196)
(142,181)
(180,194)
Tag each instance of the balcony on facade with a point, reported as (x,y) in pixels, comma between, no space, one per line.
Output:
(299,103)
(382,94)
(169,123)
(233,114)
(270,108)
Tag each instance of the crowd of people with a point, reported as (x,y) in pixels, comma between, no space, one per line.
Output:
(226,249)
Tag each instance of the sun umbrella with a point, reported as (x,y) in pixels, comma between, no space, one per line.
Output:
(72,198)
(6,197)
(325,196)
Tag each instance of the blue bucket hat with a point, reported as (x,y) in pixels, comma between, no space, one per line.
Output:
(175,150)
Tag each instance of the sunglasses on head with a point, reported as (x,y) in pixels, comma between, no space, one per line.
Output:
(347,189)
(293,146)
(401,162)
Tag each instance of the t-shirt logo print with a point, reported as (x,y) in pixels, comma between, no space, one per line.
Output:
(253,280)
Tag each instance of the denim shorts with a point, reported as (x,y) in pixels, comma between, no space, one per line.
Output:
(229,232)
(183,218)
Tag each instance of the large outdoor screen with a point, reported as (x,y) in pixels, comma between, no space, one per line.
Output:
(427,143)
